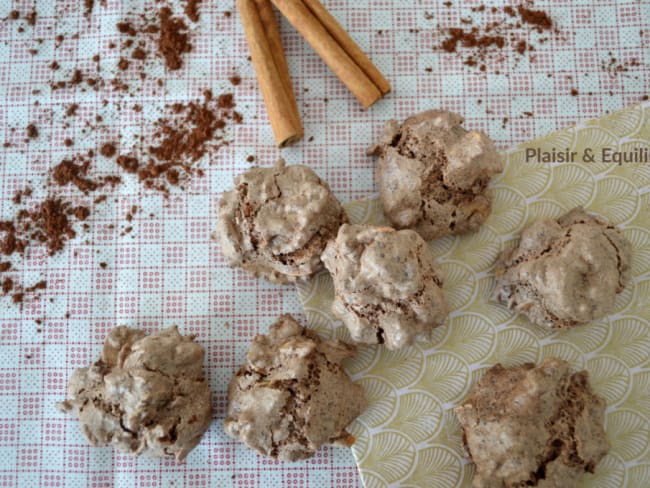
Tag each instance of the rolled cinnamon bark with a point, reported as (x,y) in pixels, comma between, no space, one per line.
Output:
(335,55)
(267,54)
(348,44)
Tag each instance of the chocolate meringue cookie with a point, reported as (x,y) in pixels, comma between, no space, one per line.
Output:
(433,174)
(564,272)
(533,426)
(387,288)
(276,222)
(292,396)
(147,394)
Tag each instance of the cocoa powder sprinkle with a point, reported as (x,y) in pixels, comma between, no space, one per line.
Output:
(192,10)
(538,18)
(32,131)
(108,150)
(173,41)
(484,43)
(128,163)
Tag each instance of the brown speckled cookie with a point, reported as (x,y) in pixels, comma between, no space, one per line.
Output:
(533,426)
(433,174)
(292,396)
(276,222)
(387,288)
(147,394)
(564,272)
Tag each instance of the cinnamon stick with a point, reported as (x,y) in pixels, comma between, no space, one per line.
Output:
(334,49)
(348,44)
(267,54)
(275,41)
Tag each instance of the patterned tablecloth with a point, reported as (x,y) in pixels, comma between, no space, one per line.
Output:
(167,270)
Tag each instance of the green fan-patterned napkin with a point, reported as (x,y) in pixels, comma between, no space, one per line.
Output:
(409,437)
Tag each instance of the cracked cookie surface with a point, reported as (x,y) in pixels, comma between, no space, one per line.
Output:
(433,174)
(292,396)
(533,426)
(147,394)
(276,222)
(386,285)
(564,272)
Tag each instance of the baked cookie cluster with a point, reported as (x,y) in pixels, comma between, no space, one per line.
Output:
(146,394)
(522,426)
(292,396)
(564,272)
(533,426)
(388,289)
(433,174)
(276,222)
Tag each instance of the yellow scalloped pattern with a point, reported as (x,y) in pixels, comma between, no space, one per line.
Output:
(409,437)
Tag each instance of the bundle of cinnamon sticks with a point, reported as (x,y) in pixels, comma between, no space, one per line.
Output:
(330,41)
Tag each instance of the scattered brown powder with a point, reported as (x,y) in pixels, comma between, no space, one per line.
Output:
(521,47)
(158,30)
(125,27)
(31,18)
(68,172)
(226,100)
(72,110)
(81,213)
(185,135)
(182,135)
(10,243)
(47,224)
(108,149)
(88,7)
(486,45)
(7,285)
(192,10)
(615,67)
(41,285)
(538,18)
(32,131)
(128,163)
(139,53)
(173,41)
(77,77)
